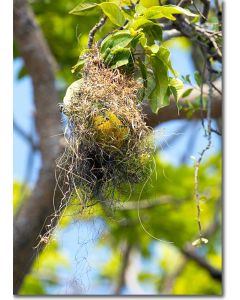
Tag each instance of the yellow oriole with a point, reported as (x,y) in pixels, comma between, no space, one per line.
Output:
(110,129)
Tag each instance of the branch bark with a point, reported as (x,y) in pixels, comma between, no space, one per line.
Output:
(191,254)
(124,265)
(39,63)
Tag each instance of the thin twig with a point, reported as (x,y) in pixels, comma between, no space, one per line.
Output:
(201,96)
(94,30)
(214,86)
(183,3)
(145,204)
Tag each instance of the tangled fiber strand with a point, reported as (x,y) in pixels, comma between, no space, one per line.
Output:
(108,142)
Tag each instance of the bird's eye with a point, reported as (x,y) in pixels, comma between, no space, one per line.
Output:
(60,106)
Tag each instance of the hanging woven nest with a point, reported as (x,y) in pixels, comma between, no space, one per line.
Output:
(108,142)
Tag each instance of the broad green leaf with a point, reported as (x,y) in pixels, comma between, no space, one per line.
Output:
(157,12)
(176,86)
(198,78)
(83,9)
(110,9)
(153,33)
(140,22)
(79,65)
(122,2)
(152,30)
(164,55)
(157,97)
(152,49)
(187,93)
(120,57)
(136,39)
(154,12)
(173,9)
(113,12)
(143,40)
(187,79)
(119,39)
(140,9)
(149,3)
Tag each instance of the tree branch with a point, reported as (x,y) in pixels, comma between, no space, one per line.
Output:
(94,30)
(144,204)
(122,272)
(40,65)
(191,254)
(197,33)
(27,137)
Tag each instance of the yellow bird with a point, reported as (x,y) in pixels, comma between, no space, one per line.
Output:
(110,130)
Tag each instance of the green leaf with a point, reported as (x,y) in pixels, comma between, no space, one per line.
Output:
(140,9)
(152,30)
(187,93)
(173,9)
(157,12)
(110,9)
(152,49)
(120,57)
(153,33)
(140,22)
(157,97)
(154,12)
(187,79)
(119,39)
(176,86)
(79,65)
(149,3)
(83,9)
(198,78)
(113,12)
(164,55)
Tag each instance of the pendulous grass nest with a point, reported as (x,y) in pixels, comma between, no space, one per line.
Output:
(108,142)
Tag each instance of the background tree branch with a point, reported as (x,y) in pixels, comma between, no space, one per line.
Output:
(39,63)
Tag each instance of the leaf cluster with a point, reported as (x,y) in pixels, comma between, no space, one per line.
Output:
(137,44)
